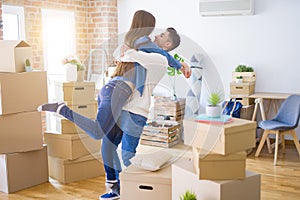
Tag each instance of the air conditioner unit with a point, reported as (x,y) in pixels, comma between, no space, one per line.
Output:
(226,7)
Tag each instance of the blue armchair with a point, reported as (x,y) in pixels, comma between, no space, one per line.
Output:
(285,122)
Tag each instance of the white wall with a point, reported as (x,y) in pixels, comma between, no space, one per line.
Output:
(269,40)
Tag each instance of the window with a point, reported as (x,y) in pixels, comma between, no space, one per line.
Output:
(13,23)
(58,42)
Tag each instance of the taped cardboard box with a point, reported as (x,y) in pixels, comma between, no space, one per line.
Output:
(184,178)
(22,170)
(21,132)
(232,137)
(71,146)
(75,93)
(141,184)
(13,54)
(22,92)
(68,171)
(219,167)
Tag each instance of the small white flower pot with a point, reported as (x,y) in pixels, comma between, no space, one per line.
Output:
(28,68)
(239,80)
(213,111)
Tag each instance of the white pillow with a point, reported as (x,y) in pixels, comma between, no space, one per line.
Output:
(151,161)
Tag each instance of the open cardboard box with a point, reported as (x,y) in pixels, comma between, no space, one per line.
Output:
(184,178)
(13,54)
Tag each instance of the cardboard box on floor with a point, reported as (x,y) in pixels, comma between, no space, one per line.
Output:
(184,178)
(22,170)
(13,54)
(219,167)
(22,92)
(67,171)
(141,184)
(71,146)
(21,132)
(232,137)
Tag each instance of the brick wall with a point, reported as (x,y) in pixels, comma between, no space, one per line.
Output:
(96,21)
(1,32)
(102,28)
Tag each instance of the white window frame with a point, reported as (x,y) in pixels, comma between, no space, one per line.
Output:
(19,11)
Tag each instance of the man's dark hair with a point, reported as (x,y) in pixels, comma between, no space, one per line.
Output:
(174,38)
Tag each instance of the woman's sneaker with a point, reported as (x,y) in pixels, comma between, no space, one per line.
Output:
(114,191)
(109,196)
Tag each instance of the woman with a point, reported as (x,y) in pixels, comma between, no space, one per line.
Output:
(117,91)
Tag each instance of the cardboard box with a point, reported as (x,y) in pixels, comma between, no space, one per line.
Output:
(242,88)
(71,146)
(141,184)
(185,178)
(22,92)
(232,137)
(22,170)
(219,167)
(67,171)
(13,54)
(88,110)
(75,93)
(64,126)
(21,132)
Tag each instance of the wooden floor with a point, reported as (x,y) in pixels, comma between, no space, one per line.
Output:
(277,182)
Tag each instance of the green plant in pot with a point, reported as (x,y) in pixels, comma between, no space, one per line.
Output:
(244,68)
(188,195)
(213,109)
(28,67)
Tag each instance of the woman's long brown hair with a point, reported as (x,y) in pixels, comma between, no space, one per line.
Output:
(142,24)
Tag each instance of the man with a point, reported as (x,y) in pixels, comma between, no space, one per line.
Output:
(134,114)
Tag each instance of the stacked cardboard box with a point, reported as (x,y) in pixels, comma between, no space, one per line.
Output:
(22,154)
(73,155)
(166,127)
(242,91)
(80,97)
(184,177)
(218,155)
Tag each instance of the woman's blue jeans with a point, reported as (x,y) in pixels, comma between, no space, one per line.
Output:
(127,131)
(111,99)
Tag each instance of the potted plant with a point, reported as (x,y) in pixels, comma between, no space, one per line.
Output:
(28,67)
(173,72)
(244,68)
(213,109)
(239,79)
(247,72)
(75,70)
(188,195)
